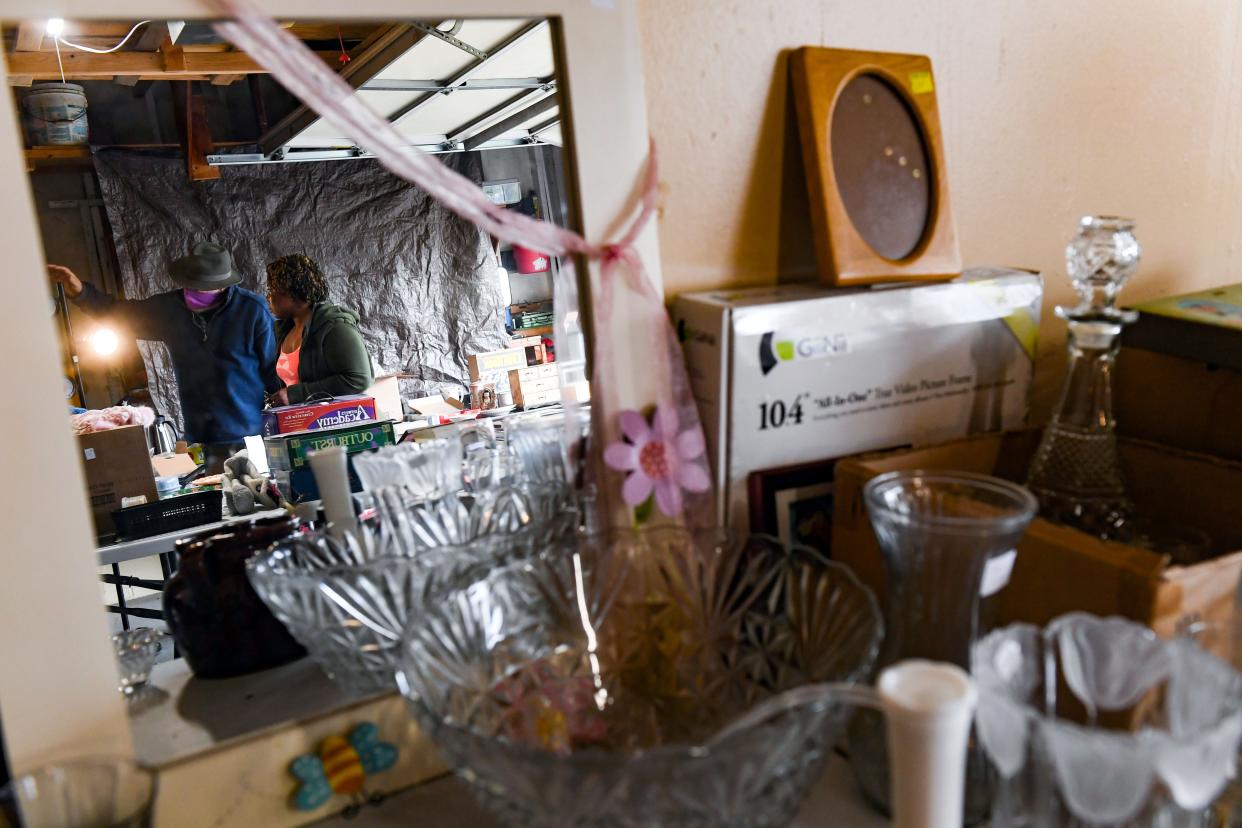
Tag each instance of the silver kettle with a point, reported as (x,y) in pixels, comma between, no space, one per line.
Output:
(163,435)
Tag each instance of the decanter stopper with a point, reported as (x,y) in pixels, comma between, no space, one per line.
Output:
(1100,259)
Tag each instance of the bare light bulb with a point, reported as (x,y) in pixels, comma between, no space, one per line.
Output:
(104,341)
(55,27)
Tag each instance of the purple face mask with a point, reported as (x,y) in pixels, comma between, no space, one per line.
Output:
(201,300)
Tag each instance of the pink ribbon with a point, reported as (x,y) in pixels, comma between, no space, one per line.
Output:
(301,72)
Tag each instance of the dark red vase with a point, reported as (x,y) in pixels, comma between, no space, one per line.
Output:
(220,624)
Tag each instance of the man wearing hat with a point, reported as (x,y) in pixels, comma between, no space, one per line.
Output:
(218,333)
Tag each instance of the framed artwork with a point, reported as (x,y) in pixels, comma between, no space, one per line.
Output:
(794,503)
(874,164)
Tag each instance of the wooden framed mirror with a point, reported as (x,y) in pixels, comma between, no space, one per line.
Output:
(58,687)
(874,164)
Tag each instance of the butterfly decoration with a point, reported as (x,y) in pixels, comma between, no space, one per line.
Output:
(341,766)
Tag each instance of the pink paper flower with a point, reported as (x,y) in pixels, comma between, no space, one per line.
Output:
(666,465)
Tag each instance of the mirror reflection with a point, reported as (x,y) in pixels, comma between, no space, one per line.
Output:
(236,283)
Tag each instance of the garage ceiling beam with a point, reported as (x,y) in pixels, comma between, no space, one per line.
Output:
(174,64)
(538,129)
(470,71)
(30,35)
(485,85)
(512,122)
(515,104)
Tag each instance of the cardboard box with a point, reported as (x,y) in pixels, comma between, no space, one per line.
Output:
(117,465)
(288,452)
(1179,402)
(1059,569)
(318,415)
(387,393)
(1179,373)
(495,362)
(797,374)
(1204,327)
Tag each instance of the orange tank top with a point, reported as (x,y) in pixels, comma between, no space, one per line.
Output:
(287,367)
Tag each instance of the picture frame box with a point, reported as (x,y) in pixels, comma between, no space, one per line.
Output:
(873,156)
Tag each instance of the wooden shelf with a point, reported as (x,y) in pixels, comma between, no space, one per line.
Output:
(43,156)
(542,330)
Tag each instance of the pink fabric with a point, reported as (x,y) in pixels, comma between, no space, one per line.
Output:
(287,366)
(296,68)
(106,419)
(201,300)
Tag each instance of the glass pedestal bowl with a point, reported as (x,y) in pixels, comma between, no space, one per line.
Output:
(1095,721)
(592,684)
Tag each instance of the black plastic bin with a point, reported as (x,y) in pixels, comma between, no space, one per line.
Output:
(170,515)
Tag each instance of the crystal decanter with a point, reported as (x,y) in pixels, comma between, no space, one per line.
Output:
(1076,473)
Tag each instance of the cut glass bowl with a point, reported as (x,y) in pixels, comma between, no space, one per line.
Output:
(349,600)
(590,685)
(1096,721)
(136,651)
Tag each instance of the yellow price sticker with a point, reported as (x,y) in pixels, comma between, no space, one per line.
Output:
(921,83)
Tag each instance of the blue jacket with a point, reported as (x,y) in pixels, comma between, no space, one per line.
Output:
(223,368)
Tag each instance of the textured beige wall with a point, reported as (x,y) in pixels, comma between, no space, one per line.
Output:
(1050,110)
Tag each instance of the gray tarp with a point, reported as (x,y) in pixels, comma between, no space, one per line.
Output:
(421,279)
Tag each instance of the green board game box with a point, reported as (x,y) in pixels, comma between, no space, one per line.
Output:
(288,452)
(1205,327)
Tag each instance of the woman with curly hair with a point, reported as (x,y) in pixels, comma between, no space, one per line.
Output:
(319,347)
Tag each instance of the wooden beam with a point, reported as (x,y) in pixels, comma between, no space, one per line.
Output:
(87,66)
(30,35)
(173,57)
(151,37)
(21,80)
(225,80)
(196,133)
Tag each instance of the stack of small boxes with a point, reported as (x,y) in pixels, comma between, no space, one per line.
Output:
(532,376)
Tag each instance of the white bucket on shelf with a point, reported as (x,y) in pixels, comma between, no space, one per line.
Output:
(55,114)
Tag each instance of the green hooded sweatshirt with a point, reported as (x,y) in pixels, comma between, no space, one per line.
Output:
(334,358)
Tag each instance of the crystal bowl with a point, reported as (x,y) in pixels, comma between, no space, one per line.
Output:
(136,651)
(1096,721)
(349,600)
(592,684)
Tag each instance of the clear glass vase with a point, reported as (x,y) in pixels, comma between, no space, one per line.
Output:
(1076,473)
(938,531)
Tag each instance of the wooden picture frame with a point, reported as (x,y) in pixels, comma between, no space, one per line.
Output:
(794,503)
(872,171)
(58,693)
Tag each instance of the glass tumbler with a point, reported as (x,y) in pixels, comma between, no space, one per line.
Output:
(938,532)
(83,793)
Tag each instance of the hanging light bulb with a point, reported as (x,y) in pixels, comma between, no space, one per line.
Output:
(104,341)
(55,27)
